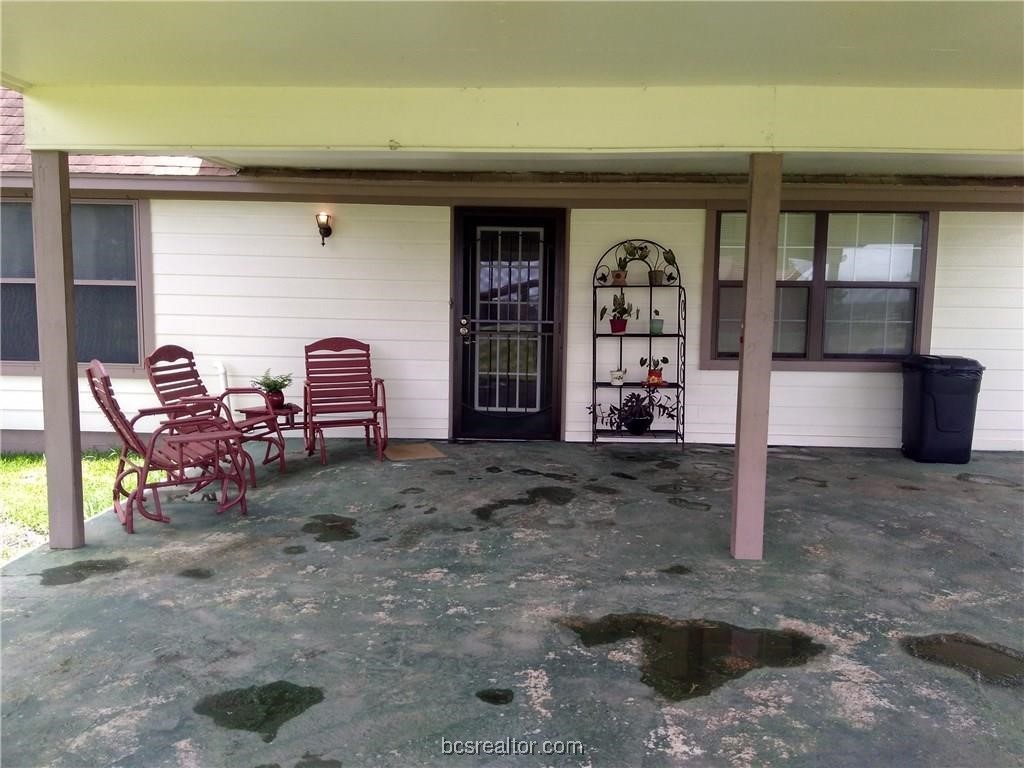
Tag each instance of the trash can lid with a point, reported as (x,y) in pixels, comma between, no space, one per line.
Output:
(941,363)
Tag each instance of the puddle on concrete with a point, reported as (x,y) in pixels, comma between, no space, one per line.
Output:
(309,760)
(261,708)
(667,464)
(686,659)
(412,491)
(496,695)
(603,490)
(812,481)
(669,489)
(297,549)
(969,477)
(677,570)
(196,573)
(551,494)
(987,662)
(80,571)
(695,506)
(494,470)
(332,528)
(623,475)
(444,472)
(549,475)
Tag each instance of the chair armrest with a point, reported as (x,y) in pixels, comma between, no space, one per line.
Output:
(196,437)
(247,391)
(380,395)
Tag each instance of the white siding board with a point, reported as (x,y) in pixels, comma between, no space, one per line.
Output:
(979,298)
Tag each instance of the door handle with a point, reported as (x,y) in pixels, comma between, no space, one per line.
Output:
(464,331)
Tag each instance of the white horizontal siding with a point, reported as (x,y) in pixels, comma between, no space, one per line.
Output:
(979,312)
(249,285)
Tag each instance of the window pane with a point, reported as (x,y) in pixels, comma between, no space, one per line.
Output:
(796,246)
(882,247)
(19,333)
(16,241)
(107,323)
(103,241)
(869,321)
(790,330)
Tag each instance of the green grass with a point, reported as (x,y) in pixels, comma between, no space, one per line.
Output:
(23,516)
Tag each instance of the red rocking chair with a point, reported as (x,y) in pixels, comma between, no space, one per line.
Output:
(172,372)
(340,391)
(186,449)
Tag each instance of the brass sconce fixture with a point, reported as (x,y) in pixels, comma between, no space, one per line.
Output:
(323,223)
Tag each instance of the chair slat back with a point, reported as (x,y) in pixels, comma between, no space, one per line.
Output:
(99,383)
(338,373)
(173,374)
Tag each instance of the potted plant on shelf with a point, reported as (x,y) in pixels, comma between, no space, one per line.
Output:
(617,377)
(620,276)
(638,411)
(656,275)
(621,312)
(657,324)
(273,386)
(655,373)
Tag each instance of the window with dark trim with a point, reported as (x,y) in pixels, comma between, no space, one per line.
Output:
(848,284)
(105,249)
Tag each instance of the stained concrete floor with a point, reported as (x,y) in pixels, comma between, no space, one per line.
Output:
(400,627)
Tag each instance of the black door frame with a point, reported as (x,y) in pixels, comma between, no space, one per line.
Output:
(558,218)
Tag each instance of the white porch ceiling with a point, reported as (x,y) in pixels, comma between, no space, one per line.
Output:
(513,44)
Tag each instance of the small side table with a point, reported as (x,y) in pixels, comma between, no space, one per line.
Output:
(285,414)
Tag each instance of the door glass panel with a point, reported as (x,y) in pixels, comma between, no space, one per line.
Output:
(510,267)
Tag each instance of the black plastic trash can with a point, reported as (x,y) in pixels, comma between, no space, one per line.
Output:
(940,397)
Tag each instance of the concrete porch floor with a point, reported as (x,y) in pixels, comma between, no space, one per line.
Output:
(432,602)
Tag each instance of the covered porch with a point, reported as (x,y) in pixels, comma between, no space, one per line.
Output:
(392,594)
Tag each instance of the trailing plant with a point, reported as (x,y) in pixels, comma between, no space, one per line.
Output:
(652,403)
(269,383)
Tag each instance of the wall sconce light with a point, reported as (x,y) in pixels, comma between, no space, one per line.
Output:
(323,223)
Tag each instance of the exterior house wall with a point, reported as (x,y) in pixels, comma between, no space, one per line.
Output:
(247,284)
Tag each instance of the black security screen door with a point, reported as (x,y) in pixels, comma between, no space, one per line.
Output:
(507,334)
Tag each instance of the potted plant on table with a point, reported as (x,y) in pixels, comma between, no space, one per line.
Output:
(621,312)
(274,387)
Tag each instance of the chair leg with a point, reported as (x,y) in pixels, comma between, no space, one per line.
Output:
(380,442)
(323,446)
(366,428)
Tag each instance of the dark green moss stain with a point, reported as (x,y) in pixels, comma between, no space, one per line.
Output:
(603,490)
(395,507)
(677,570)
(496,695)
(549,475)
(412,491)
(686,659)
(196,573)
(80,571)
(988,662)
(695,506)
(261,708)
(811,481)
(298,549)
(444,472)
(494,470)
(909,488)
(605,522)
(269,765)
(170,658)
(381,538)
(430,511)
(551,494)
(623,475)
(309,760)
(638,458)
(969,477)
(332,528)
(670,489)
(667,465)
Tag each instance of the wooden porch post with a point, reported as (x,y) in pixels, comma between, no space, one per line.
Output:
(55,310)
(763,198)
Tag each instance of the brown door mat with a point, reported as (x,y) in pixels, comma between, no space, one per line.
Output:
(410,451)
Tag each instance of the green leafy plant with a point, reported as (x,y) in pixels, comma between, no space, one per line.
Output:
(656,363)
(269,383)
(666,258)
(634,252)
(621,309)
(637,406)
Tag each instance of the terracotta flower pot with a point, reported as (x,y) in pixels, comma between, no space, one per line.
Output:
(619,276)
(656,277)
(618,324)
